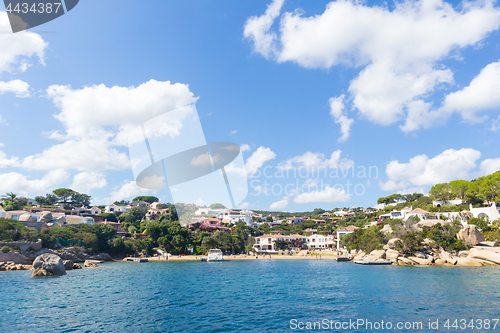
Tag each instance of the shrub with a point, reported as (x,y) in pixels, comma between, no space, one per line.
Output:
(5,249)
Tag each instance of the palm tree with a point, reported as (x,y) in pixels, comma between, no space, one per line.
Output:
(11,196)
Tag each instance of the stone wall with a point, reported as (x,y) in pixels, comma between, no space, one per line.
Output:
(24,246)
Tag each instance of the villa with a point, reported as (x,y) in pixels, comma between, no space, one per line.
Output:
(320,241)
(116,209)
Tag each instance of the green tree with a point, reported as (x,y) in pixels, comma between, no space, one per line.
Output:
(147,198)
(441,191)
(110,217)
(63,194)
(459,188)
(80,199)
(217,206)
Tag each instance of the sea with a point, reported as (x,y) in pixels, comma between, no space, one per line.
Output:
(253,296)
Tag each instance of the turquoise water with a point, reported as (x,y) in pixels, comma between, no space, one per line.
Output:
(245,296)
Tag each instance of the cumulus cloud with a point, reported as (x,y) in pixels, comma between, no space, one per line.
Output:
(23,185)
(126,191)
(280,204)
(18,87)
(314,161)
(7,161)
(489,166)
(85,181)
(91,154)
(113,111)
(257,160)
(244,147)
(481,94)
(338,114)
(400,51)
(422,170)
(327,194)
(18,48)
(257,29)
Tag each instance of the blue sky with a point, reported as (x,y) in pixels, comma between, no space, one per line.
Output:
(411,90)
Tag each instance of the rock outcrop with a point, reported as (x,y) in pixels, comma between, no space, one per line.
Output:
(391,254)
(15,257)
(68,264)
(447,258)
(50,263)
(391,243)
(375,255)
(102,256)
(89,263)
(386,230)
(470,235)
(469,262)
(421,261)
(487,255)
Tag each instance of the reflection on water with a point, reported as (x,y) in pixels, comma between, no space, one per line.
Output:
(261,295)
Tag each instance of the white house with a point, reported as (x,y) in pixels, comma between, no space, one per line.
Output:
(320,241)
(344,231)
(441,203)
(115,209)
(418,212)
(140,203)
(95,211)
(492,212)
(2,212)
(265,243)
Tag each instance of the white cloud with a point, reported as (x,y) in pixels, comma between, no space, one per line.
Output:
(495,125)
(18,87)
(337,112)
(280,204)
(400,51)
(97,120)
(483,93)
(257,29)
(244,147)
(113,111)
(234,132)
(244,205)
(91,154)
(314,161)
(21,184)
(126,191)
(18,48)
(422,170)
(201,160)
(3,122)
(84,182)
(257,160)
(489,166)
(328,194)
(6,161)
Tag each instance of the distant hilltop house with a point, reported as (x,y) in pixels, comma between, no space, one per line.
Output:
(155,213)
(116,209)
(39,218)
(344,213)
(211,225)
(2,212)
(441,203)
(228,215)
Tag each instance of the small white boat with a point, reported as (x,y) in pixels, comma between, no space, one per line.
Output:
(215,255)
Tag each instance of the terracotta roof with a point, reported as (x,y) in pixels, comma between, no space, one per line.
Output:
(406,208)
(349,228)
(95,207)
(419,211)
